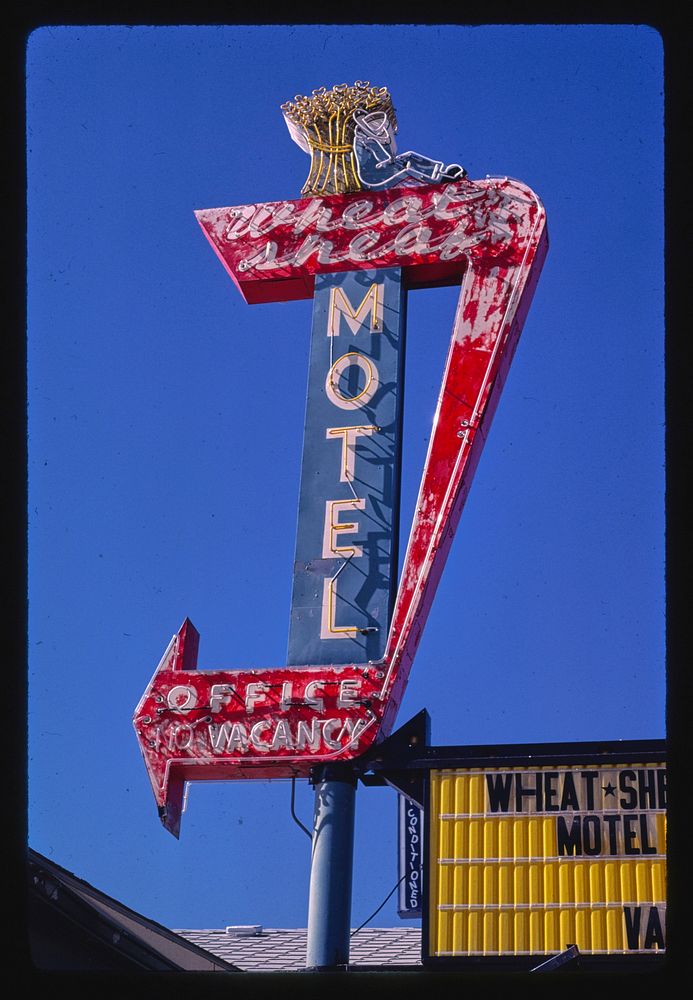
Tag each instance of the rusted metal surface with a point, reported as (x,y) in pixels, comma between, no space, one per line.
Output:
(489,234)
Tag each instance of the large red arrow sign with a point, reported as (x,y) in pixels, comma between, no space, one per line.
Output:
(280,722)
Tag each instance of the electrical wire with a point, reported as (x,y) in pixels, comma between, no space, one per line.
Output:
(310,836)
(293,813)
(373,914)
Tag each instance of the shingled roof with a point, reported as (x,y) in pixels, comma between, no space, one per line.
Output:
(73,925)
(274,949)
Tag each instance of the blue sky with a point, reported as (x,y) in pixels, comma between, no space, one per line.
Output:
(165,421)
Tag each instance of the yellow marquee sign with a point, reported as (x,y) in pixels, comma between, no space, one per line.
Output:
(530,860)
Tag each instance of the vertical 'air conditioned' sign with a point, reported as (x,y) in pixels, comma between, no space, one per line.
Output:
(410,856)
(346,554)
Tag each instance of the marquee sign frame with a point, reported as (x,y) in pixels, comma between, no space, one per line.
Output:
(521,874)
(592,874)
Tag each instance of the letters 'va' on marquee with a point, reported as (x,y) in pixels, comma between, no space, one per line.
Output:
(370,217)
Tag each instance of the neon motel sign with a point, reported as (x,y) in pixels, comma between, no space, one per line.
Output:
(353,630)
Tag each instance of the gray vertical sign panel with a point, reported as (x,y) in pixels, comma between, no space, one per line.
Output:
(345,570)
(410,857)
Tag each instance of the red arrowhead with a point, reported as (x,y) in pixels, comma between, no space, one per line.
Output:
(168,786)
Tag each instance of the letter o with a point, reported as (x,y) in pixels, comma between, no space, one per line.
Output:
(338,369)
(591,835)
(175,693)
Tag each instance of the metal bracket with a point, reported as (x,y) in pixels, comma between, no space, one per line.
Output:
(386,762)
(570,955)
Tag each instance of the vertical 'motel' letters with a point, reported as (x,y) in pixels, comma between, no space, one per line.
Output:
(346,552)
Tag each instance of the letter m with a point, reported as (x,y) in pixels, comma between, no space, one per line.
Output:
(569,841)
(340,305)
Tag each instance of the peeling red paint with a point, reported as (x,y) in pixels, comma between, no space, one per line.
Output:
(197,725)
(470,312)
(273,250)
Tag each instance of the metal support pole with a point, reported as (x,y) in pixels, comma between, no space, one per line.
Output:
(329,901)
